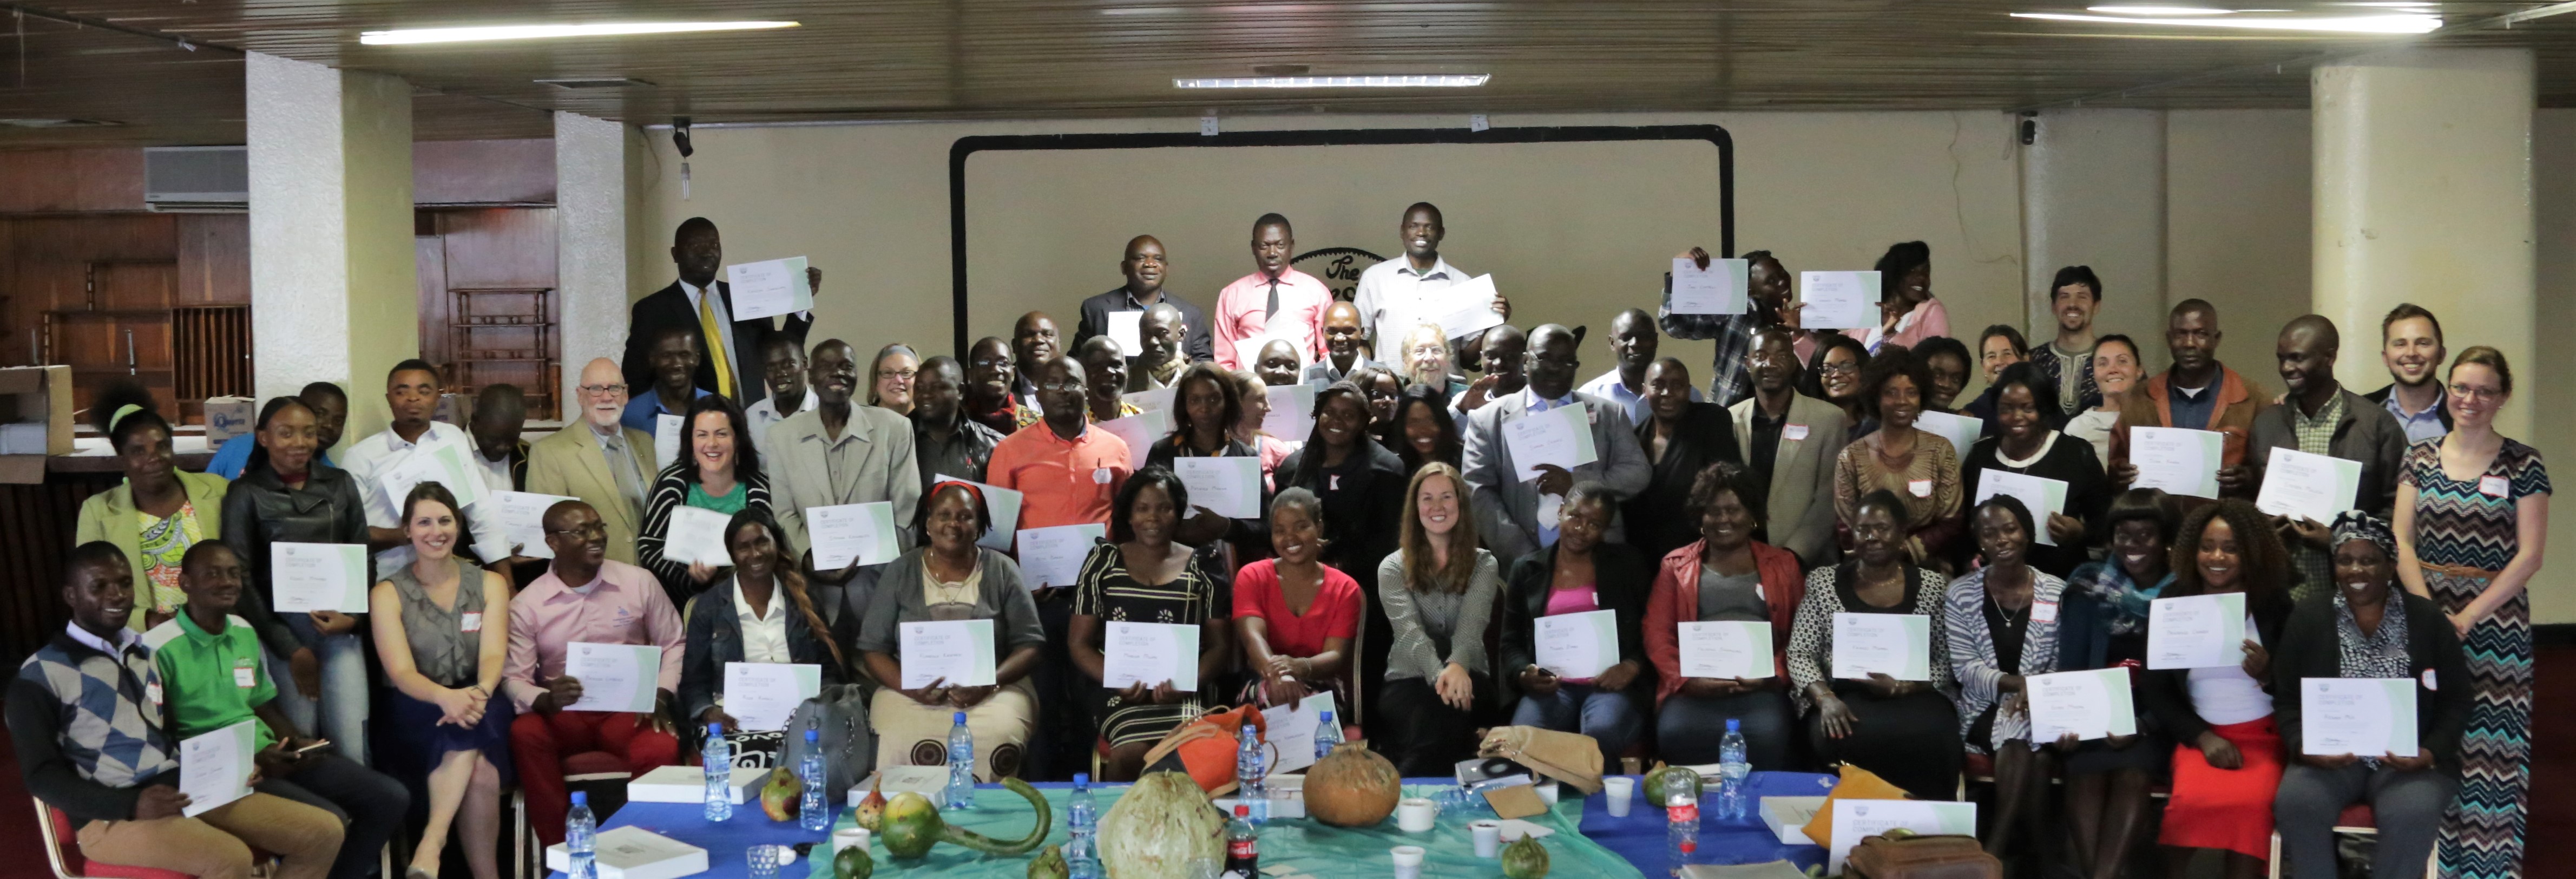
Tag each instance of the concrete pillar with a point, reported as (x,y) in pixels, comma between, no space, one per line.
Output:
(590,244)
(2093,193)
(2423,194)
(334,280)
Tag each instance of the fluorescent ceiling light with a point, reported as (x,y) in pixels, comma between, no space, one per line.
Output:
(2352,24)
(2160,10)
(1325,82)
(548,31)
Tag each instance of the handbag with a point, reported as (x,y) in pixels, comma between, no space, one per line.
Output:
(840,714)
(1205,748)
(1946,856)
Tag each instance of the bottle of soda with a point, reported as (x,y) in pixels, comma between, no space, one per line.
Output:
(718,760)
(1242,845)
(581,839)
(1681,823)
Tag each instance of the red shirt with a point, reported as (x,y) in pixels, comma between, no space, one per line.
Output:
(1061,482)
(1335,612)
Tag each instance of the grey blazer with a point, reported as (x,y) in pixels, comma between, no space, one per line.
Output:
(1801,505)
(2366,433)
(1507,506)
(876,449)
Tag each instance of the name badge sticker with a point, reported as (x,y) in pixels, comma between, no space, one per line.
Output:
(1100,476)
(152,691)
(244,676)
(1919,487)
(2043,611)
(2494,486)
(1794,432)
(2430,683)
(471,622)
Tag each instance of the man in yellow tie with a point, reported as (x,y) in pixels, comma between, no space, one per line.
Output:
(705,305)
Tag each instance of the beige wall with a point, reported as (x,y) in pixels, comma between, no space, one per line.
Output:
(2236,226)
(2545,388)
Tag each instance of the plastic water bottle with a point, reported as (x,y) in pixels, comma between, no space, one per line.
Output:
(961,764)
(1327,733)
(581,839)
(718,760)
(1251,771)
(1082,820)
(1242,845)
(814,812)
(1681,822)
(1732,771)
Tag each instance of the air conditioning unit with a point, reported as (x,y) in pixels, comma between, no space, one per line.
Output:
(197,179)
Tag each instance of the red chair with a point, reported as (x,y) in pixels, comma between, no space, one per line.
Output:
(62,851)
(602,774)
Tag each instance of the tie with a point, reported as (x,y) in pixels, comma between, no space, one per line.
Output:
(715,340)
(1274,300)
(621,462)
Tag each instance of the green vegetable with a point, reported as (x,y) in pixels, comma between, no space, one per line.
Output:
(1663,779)
(912,825)
(853,863)
(1049,864)
(1525,859)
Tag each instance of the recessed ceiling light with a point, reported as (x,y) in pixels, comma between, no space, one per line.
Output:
(547,31)
(2160,10)
(2407,23)
(1327,82)
(595,82)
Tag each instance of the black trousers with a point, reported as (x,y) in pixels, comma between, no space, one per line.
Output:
(1911,740)
(371,804)
(1431,737)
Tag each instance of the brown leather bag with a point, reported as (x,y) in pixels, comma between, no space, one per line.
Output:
(1921,857)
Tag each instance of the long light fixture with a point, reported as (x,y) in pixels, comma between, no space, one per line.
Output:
(2407,23)
(417,36)
(2159,10)
(1328,82)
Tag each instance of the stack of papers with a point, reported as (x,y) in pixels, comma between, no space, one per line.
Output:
(1788,817)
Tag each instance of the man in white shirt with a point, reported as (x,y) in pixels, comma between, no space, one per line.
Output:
(1393,295)
(782,362)
(411,392)
(1633,341)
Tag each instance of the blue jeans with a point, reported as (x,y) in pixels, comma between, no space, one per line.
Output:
(342,714)
(1608,716)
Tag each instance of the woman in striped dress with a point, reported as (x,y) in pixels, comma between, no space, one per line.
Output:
(1142,576)
(2472,513)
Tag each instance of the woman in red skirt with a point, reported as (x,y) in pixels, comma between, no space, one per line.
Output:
(2227,763)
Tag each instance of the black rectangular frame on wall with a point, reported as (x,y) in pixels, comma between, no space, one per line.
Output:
(968,146)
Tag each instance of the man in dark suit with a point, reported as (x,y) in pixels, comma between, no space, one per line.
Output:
(732,363)
(1145,267)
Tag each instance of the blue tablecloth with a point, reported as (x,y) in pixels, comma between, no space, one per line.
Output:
(1638,838)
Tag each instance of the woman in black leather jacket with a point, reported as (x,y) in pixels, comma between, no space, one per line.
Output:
(1581,573)
(287,495)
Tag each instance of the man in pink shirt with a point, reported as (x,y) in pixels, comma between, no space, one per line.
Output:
(612,603)
(1274,301)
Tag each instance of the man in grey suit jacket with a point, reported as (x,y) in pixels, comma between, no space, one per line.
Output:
(1800,437)
(839,453)
(1507,496)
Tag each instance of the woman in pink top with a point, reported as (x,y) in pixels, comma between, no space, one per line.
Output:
(1296,616)
(1907,312)
(1581,574)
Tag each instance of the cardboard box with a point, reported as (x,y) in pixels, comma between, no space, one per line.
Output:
(688,784)
(635,853)
(929,781)
(228,417)
(35,420)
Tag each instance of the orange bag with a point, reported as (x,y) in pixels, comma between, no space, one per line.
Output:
(1205,748)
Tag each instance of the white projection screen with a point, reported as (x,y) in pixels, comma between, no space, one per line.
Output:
(1572,228)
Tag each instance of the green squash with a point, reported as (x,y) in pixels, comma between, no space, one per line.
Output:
(911,825)
(853,863)
(1525,859)
(1049,864)
(1662,779)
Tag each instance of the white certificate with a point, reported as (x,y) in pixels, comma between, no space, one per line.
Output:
(614,677)
(1290,731)
(2178,460)
(1856,820)
(2039,494)
(1962,431)
(1151,400)
(1150,654)
(768,289)
(1229,486)
(1898,645)
(2365,717)
(2303,486)
(1726,650)
(958,652)
(1127,329)
(442,463)
(318,576)
(1140,431)
(1292,412)
(762,695)
(214,767)
(2091,704)
(1561,436)
(696,536)
(1838,300)
(522,516)
(1464,308)
(1578,645)
(1718,289)
(1003,503)
(1053,556)
(2198,631)
(863,533)
(668,438)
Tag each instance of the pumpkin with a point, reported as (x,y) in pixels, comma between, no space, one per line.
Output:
(911,825)
(1525,859)
(1049,864)
(853,863)
(1159,828)
(1352,787)
(1663,779)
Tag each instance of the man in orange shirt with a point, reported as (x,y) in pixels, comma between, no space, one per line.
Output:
(1066,472)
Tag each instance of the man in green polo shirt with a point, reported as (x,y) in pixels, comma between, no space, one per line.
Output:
(213,677)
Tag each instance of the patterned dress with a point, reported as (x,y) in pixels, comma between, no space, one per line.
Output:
(1105,591)
(2464,536)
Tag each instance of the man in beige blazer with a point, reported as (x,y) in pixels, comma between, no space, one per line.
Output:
(1805,435)
(607,465)
(839,453)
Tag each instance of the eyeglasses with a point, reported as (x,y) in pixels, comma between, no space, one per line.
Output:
(1845,368)
(594,529)
(2476,392)
(1067,387)
(603,390)
(905,375)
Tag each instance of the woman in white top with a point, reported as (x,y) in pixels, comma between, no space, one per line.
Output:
(2115,373)
(2227,755)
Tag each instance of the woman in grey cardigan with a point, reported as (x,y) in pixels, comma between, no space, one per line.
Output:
(951,579)
(1438,591)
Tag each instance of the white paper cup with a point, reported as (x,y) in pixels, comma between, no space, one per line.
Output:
(1408,861)
(1619,791)
(847,837)
(1547,792)
(1415,814)
(1489,838)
